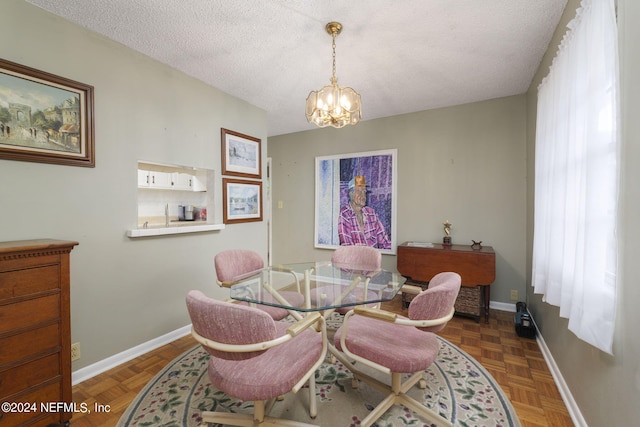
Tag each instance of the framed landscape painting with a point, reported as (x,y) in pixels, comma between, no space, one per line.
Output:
(355,200)
(45,118)
(241,155)
(242,200)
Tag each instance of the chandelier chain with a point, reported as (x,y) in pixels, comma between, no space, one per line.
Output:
(334,79)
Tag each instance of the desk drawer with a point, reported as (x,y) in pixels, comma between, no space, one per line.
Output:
(12,262)
(29,313)
(17,347)
(21,283)
(48,393)
(28,375)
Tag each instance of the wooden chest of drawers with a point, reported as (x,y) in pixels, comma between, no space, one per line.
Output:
(35,331)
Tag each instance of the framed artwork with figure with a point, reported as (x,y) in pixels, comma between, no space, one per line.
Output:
(355,200)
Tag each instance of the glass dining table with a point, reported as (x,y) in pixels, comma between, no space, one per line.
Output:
(318,286)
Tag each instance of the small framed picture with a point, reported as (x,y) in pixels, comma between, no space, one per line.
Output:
(45,118)
(241,155)
(242,200)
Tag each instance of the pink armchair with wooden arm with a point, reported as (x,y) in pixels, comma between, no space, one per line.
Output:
(233,264)
(364,257)
(254,358)
(395,344)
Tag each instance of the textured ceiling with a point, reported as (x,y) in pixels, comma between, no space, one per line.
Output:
(402,56)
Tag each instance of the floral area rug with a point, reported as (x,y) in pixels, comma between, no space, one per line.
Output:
(458,388)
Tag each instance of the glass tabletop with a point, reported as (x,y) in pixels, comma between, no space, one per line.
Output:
(316,286)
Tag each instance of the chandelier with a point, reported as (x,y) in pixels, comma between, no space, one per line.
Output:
(333,105)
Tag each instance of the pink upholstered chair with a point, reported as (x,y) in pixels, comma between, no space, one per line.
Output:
(365,257)
(235,263)
(254,358)
(395,345)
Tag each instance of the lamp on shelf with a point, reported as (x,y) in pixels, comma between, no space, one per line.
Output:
(333,105)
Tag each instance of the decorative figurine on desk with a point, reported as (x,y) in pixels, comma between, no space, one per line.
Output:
(446,240)
(476,245)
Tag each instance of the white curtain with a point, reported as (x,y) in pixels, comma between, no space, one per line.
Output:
(576,176)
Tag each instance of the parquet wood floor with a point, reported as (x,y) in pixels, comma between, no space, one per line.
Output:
(516,364)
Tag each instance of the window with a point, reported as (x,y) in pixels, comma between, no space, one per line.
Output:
(576,176)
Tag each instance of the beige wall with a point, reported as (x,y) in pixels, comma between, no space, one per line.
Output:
(124,292)
(601,385)
(465,164)
(468,164)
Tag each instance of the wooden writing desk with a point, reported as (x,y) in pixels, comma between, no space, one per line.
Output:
(477,267)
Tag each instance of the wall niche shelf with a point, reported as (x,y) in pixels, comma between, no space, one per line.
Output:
(174,199)
(181,229)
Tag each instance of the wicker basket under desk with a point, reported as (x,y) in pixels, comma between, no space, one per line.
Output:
(468,303)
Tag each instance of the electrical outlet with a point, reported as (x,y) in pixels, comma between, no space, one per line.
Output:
(75,351)
(514,295)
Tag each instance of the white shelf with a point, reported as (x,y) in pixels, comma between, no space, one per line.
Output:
(184,229)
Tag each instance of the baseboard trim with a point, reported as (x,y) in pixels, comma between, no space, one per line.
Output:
(502,306)
(567,397)
(97,368)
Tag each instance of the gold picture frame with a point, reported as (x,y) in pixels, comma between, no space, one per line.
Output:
(242,200)
(241,154)
(45,118)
